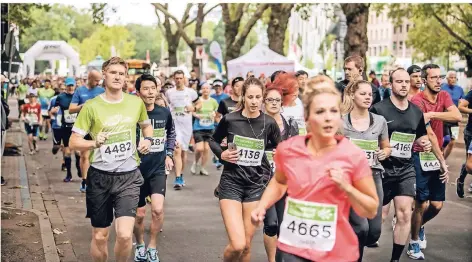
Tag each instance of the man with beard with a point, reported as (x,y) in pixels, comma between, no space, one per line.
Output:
(415,80)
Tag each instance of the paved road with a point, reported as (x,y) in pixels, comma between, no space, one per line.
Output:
(193,227)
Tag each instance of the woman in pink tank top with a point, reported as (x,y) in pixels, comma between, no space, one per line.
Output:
(324,175)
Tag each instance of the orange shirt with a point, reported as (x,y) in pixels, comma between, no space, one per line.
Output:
(316,218)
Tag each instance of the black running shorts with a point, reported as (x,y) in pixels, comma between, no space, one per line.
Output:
(202,135)
(111,191)
(401,185)
(240,189)
(155,184)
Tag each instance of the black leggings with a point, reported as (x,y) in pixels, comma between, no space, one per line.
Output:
(273,218)
(281,256)
(368,230)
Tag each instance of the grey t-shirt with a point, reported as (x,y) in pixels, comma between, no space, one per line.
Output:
(368,140)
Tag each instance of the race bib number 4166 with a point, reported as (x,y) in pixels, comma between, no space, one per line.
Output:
(401,144)
(250,150)
(309,225)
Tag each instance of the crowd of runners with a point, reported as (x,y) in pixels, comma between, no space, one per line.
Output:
(316,163)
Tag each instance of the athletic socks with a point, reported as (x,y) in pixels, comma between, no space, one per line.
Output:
(397,251)
(77,165)
(67,161)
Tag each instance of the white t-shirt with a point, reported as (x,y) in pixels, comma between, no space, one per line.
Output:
(178,100)
(297,113)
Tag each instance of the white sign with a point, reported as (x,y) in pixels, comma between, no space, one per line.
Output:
(200,52)
(215,51)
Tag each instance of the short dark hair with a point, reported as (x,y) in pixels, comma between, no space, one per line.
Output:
(393,72)
(425,69)
(372,72)
(301,72)
(47,80)
(142,78)
(275,74)
(179,72)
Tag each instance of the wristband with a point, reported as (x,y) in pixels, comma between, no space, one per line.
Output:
(148,138)
(171,156)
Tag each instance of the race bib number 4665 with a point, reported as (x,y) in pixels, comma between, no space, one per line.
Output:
(250,150)
(309,225)
(401,144)
(117,147)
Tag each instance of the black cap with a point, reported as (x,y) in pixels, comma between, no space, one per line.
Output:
(237,79)
(413,69)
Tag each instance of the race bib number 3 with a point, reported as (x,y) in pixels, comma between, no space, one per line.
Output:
(117,147)
(250,150)
(401,144)
(270,157)
(309,225)
(369,147)
(429,162)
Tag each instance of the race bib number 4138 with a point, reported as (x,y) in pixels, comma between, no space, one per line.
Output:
(309,225)
(401,144)
(250,150)
(117,147)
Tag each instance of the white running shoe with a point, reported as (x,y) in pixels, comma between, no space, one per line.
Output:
(204,172)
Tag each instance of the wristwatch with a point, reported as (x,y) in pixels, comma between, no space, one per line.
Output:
(148,138)
(170,155)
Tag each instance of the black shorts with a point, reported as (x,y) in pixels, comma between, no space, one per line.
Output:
(46,117)
(155,184)
(56,136)
(31,129)
(239,189)
(202,135)
(108,192)
(62,135)
(402,185)
(428,185)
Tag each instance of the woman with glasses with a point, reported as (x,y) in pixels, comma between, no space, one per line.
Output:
(292,107)
(288,128)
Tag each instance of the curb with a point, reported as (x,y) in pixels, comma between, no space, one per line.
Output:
(49,245)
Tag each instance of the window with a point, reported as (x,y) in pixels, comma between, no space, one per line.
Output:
(394,47)
(400,29)
(407,28)
(375,51)
(400,45)
(394,29)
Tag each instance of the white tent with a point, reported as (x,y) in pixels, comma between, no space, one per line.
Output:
(51,51)
(260,59)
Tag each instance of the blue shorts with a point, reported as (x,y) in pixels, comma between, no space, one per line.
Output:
(428,184)
(32,129)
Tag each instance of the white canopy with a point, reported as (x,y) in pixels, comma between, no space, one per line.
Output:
(51,50)
(260,59)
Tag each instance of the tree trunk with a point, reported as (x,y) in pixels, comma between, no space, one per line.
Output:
(198,33)
(468,59)
(356,41)
(278,23)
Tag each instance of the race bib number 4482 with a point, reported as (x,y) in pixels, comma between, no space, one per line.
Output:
(401,144)
(309,225)
(117,147)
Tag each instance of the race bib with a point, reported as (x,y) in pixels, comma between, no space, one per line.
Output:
(117,147)
(429,162)
(179,111)
(369,147)
(32,119)
(231,109)
(455,132)
(270,157)
(158,140)
(69,118)
(309,225)
(44,112)
(301,127)
(206,119)
(401,144)
(250,150)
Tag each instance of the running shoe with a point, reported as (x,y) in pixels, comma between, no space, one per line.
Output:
(182,181)
(83,188)
(32,152)
(218,165)
(460,188)
(193,168)
(177,185)
(55,150)
(422,238)
(414,251)
(3,181)
(152,255)
(204,172)
(63,167)
(140,254)
(470,188)
(68,179)
(376,244)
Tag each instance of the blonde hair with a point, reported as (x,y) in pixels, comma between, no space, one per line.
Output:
(318,85)
(348,105)
(115,61)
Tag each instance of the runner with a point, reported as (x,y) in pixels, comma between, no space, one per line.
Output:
(415,80)
(153,167)
(370,133)
(56,124)
(451,130)
(385,88)
(21,92)
(218,96)
(45,94)
(288,128)
(81,95)
(62,103)
(292,106)
(438,108)
(182,100)
(227,106)
(203,128)
(406,124)
(34,87)
(246,168)
(302,78)
(31,115)
(114,180)
(465,106)
(319,172)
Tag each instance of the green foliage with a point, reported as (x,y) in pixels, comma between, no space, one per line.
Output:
(309,64)
(330,63)
(147,38)
(19,14)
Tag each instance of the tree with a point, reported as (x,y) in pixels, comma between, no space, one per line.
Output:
(278,23)
(356,41)
(180,32)
(20,14)
(147,38)
(235,32)
(439,28)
